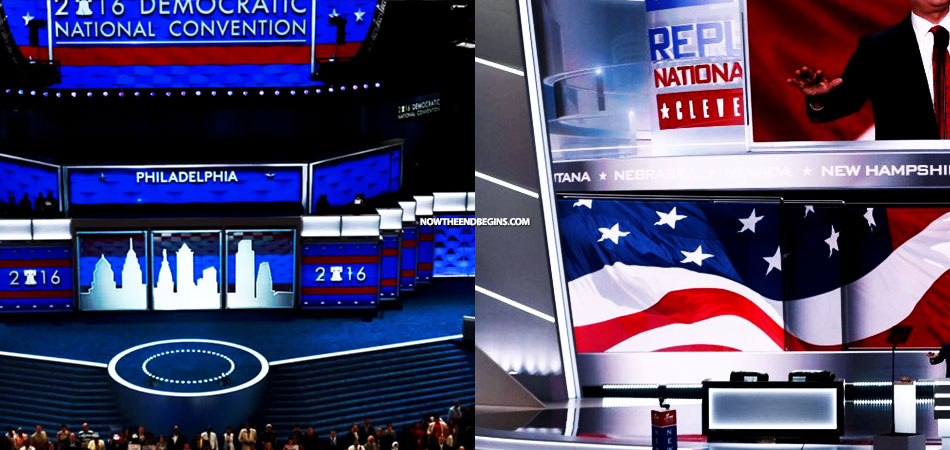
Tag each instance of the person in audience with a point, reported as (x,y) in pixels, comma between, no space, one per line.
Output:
(354,433)
(333,443)
(291,444)
(268,435)
(86,435)
(388,436)
(71,443)
(142,437)
(96,443)
(366,430)
(356,445)
(62,437)
(371,443)
(440,444)
(210,437)
(161,444)
(6,442)
(310,440)
(39,440)
(455,412)
(228,438)
(248,437)
(296,435)
(177,441)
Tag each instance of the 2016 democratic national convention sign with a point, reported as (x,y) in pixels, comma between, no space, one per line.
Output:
(188,43)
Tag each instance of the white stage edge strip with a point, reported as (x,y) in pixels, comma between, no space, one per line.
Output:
(54,359)
(514,304)
(506,184)
(501,67)
(365,350)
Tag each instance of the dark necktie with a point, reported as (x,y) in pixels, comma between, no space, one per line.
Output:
(940,62)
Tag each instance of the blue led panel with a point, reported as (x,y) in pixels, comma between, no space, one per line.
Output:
(426,256)
(36,277)
(454,249)
(372,173)
(26,187)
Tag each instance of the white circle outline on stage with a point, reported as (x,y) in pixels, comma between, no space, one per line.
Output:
(265,367)
(220,376)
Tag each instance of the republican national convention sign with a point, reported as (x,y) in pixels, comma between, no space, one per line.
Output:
(188,43)
(683,275)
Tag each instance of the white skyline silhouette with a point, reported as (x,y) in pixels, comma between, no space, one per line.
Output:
(251,292)
(105,294)
(186,294)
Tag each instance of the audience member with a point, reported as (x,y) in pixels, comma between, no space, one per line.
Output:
(455,412)
(291,444)
(268,435)
(228,438)
(333,443)
(62,437)
(440,444)
(371,443)
(388,437)
(177,441)
(366,430)
(39,440)
(71,443)
(96,443)
(354,434)
(356,445)
(310,440)
(248,437)
(296,435)
(142,437)
(208,437)
(86,435)
(162,444)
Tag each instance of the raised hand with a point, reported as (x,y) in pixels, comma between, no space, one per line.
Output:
(813,83)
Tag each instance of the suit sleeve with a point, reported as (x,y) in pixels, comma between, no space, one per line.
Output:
(848,97)
(941,356)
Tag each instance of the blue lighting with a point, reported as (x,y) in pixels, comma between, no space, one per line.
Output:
(377,84)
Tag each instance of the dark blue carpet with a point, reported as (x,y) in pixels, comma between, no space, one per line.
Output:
(435,310)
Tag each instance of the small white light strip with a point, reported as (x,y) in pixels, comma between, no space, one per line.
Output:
(366,350)
(221,376)
(505,443)
(611,387)
(506,184)
(501,67)
(514,304)
(53,359)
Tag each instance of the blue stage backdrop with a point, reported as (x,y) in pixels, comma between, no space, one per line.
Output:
(194,185)
(410,255)
(261,268)
(112,271)
(389,268)
(189,43)
(186,269)
(371,173)
(36,277)
(25,186)
(340,274)
(454,249)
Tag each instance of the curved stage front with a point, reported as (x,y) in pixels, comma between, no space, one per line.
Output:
(166,383)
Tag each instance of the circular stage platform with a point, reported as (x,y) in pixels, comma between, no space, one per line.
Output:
(189,381)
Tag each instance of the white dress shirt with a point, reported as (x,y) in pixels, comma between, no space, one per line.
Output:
(228,441)
(925,41)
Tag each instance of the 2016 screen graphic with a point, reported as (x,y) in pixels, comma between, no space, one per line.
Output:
(36,277)
(188,43)
(340,274)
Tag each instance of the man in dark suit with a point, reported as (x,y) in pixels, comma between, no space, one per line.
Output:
(366,430)
(439,444)
(940,357)
(177,440)
(310,440)
(895,70)
(334,442)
